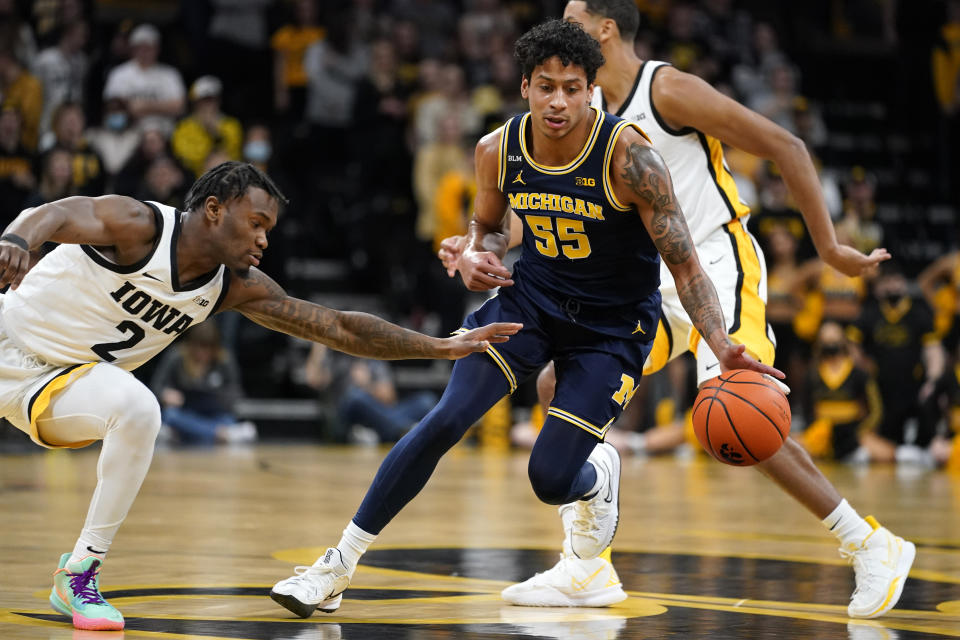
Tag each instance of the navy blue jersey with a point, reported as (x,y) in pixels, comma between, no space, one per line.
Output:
(586,257)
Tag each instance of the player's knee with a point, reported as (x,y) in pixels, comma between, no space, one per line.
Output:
(550,483)
(135,410)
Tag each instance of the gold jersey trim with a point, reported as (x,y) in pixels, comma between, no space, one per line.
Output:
(608,158)
(576,162)
(502,159)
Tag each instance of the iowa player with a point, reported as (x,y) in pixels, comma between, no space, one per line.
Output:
(128,278)
(598,205)
(687,120)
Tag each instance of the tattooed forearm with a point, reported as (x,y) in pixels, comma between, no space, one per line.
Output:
(646,174)
(359,334)
(700,301)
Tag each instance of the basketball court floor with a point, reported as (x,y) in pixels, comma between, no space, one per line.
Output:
(704,550)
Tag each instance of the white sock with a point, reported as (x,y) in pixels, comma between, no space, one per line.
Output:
(846,524)
(89,546)
(354,544)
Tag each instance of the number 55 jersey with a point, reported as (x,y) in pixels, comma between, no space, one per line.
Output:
(77,306)
(587,258)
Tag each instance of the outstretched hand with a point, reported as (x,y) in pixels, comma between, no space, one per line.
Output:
(450,251)
(479,339)
(482,271)
(734,357)
(851,262)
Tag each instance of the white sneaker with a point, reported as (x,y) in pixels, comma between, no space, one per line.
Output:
(572,582)
(595,522)
(880,564)
(316,587)
(870,631)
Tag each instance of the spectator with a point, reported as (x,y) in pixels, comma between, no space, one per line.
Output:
(859,210)
(257,149)
(239,54)
(206,129)
(368,407)
(56,178)
(896,333)
(23,92)
(17,32)
(152,91)
(63,71)
(153,144)
(783,304)
(452,98)
(115,140)
(843,404)
(68,133)
(164,182)
(198,385)
(16,166)
(290,44)
(945,60)
(431,162)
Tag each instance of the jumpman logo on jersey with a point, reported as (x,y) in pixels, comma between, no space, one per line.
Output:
(519,178)
(639,329)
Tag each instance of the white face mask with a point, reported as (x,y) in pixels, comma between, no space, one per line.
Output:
(257,151)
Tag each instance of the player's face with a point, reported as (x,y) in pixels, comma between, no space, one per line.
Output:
(559,97)
(246,222)
(576,11)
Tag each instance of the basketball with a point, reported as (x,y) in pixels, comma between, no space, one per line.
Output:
(741,418)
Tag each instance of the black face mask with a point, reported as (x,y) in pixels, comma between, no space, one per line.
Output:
(893,299)
(829,349)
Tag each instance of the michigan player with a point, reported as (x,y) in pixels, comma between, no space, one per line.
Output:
(686,120)
(128,279)
(599,206)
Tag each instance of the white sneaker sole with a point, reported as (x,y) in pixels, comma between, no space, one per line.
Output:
(907,555)
(305,609)
(550,597)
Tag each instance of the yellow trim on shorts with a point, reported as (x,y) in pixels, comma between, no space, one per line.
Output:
(661,351)
(750,316)
(499,360)
(608,157)
(580,422)
(41,401)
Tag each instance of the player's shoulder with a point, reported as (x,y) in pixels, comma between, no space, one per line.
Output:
(489,144)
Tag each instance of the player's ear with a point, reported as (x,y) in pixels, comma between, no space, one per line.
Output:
(608,29)
(524,87)
(212,208)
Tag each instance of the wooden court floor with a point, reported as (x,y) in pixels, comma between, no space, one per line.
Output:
(704,550)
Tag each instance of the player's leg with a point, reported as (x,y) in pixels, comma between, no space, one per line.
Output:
(739,275)
(109,404)
(476,384)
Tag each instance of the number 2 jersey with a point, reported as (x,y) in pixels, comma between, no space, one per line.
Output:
(586,258)
(76,306)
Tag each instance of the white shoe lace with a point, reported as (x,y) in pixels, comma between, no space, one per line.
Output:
(545,576)
(861,567)
(306,574)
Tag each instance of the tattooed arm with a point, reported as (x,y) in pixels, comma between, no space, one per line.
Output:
(640,178)
(265,302)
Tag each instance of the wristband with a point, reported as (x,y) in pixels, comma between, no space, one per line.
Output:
(13,238)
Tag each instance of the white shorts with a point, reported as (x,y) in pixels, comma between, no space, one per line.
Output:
(734,262)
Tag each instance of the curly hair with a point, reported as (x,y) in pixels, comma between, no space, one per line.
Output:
(565,40)
(228,181)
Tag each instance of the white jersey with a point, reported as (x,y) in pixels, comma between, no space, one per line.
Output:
(701,179)
(76,306)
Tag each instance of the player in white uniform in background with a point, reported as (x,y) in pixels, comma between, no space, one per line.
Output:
(128,278)
(686,120)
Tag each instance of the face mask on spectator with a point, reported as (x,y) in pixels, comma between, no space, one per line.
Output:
(116,121)
(830,349)
(893,298)
(257,151)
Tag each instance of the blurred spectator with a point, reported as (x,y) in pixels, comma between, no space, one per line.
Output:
(51,15)
(257,148)
(198,384)
(859,209)
(334,67)
(290,43)
(431,162)
(945,446)
(153,144)
(500,98)
(750,78)
(843,404)
(783,304)
(56,179)
(63,71)
(17,32)
(23,92)
(484,29)
(115,140)
(68,133)
(16,167)
(435,22)
(239,54)
(207,128)
(827,295)
(451,99)
(808,124)
(368,406)
(152,91)
(777,98)
(165,182)
(778,209)
(946,81)
(896,333)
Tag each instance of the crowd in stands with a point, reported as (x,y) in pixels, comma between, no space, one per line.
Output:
(366,113)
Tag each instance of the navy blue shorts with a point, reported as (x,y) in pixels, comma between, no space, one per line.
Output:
(597,374)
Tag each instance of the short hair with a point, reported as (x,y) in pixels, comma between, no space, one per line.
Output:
(228,181)
(623,12)
(565,40)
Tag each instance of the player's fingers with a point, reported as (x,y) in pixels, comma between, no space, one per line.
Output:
(879,255)
(498,331)
(22,262)
(767,370)
(480,281)
(494,267)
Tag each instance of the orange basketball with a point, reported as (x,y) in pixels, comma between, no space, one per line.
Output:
(741,418)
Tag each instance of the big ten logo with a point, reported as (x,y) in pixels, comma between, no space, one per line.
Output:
(584,182)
